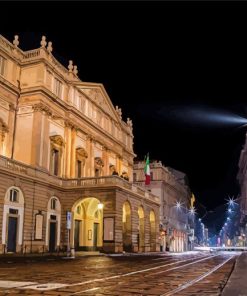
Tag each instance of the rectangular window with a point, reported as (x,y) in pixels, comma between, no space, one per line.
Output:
(53,204)
(2,65)
(55,161)
(13,211)
(57,87)
(53,217)
(78,169)
(134,177)
(13,195)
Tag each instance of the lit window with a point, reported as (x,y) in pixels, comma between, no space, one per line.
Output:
(13,195)
(53,203)
(2,65)
(57,87)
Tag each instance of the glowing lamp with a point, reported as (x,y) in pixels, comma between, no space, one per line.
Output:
(100,206)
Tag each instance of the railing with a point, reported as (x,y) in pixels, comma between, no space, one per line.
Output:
(9,46)
(44,175)
(35,53)
(32,54)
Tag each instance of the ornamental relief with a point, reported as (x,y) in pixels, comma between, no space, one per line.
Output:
(57,140)
(40,107)
(3,129)
(81,154)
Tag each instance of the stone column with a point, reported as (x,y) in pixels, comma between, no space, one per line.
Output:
(36,137)
(45,142)
(120,160)
(118,164)
(89,166)
(73,153)
(67,150)
(9,136)
(105,158)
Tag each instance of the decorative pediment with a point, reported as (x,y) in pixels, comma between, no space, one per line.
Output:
(98,162)
(81,153)
(99,96)
(57,140)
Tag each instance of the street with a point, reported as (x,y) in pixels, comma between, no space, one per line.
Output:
(194,273)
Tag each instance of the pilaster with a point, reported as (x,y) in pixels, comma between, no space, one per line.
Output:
(73,153)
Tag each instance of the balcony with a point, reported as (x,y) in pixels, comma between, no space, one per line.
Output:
(39,174)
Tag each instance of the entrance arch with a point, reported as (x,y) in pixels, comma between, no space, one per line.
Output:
(87,224)
(13,217)
(127,241)
(152,231)
(141,234)
(53,224)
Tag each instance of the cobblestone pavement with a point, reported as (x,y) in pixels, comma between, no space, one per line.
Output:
(185,274)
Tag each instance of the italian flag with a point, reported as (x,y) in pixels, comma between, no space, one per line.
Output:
(147,171)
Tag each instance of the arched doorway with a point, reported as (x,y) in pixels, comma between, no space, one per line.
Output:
(152,231)
(53,224)
(127,241)
(13,216)
(141,234)
(88,224)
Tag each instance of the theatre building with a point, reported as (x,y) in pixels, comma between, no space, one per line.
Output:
(66,161)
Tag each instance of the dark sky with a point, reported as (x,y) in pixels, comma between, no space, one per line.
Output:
(169,66)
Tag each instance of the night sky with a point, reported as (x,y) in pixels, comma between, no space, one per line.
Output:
(169,66)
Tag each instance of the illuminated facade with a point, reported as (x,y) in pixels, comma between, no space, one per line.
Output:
(64,148)
(174,194)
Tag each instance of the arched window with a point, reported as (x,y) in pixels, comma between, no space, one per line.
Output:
(14,195)
(53,203)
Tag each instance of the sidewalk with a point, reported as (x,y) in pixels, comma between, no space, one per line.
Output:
(32,257)
(237,283)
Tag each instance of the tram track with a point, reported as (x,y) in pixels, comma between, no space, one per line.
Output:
(197,279)
(139,272)
(181,285)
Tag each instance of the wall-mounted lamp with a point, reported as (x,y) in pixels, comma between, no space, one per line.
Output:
(100,206)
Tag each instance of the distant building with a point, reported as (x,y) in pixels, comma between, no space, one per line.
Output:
(171,187)
(66,162)
(242,179)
